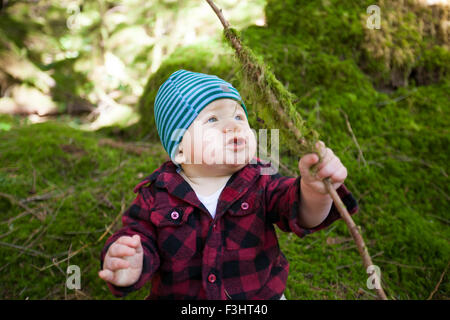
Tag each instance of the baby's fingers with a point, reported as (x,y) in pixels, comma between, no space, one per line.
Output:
(106,275)
(133,241)
(340,175)
(306,162)
(114,264)
(120,250)
(331,167)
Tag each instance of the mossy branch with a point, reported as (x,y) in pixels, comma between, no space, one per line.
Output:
(279,99)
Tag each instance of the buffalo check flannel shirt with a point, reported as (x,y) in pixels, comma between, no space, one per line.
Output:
(190,255)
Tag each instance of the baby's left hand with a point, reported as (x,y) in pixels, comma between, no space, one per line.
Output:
(330,166)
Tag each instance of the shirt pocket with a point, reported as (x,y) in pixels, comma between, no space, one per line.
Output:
(244,225)
(175,231)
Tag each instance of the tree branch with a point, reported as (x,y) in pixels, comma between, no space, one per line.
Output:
(255,72)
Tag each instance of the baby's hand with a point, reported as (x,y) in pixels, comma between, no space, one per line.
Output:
(122,265)
(330,166)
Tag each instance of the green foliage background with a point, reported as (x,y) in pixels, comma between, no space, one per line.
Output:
(390,86)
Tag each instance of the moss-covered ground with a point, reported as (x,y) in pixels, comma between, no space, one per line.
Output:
(61,188)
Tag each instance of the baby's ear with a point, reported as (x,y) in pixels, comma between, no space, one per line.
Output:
(180,157)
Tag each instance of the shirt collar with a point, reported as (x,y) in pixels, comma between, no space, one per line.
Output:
(167,177)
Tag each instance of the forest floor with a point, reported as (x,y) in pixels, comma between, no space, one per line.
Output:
(62,191)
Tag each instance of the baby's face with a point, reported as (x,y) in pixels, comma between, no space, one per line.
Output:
(219,137)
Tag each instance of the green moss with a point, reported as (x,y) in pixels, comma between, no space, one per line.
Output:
(400,183)
(398,175)
(401,191)
(328,26)
(392,55)
(89,184)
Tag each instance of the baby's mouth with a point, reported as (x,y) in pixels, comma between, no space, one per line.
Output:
(236,143)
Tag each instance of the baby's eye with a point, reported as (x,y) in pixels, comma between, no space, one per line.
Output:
(212,118)
(238,117)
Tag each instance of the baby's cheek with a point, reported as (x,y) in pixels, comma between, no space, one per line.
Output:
(199,152)
(252,146)
(208,149)
(193,153)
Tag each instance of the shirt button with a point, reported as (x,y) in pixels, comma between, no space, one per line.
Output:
(244,205)
(212,278)
(174,215)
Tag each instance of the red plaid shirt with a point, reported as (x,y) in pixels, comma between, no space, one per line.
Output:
(190,255)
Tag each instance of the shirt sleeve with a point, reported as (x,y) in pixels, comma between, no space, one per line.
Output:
(283,203)
(136,220)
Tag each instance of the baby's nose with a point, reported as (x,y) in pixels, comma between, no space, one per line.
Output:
(231,126)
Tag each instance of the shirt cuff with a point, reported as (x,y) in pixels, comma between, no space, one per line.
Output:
(344,194)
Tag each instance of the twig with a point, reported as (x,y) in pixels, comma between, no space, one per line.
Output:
(329,230)
(37,238)
(12,219)
(346,266)
(441,191)
(107,202)
(273,100)
(402,265)
(68,264)
(16,202)
(109,227)
(378,254)
(133,148)
(236,44)
(79,292)
(7,233)
(439,218)
(52,293)
(72,233)
(383,103)
(361,155)
(439,283)
(32,234)
(25,250)
(70,255)
(297,101)
(311,244)
(366,292)
(33,186)
(45,196)
(56,263)
(107,173)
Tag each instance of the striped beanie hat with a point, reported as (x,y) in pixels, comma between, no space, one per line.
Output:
(181,98)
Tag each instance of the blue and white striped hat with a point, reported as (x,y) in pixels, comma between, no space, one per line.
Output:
(181,98)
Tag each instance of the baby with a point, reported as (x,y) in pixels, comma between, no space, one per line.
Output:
(202,224)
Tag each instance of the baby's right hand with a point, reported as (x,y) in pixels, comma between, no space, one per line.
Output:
(122,265)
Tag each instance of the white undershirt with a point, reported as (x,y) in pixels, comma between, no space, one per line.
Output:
(210,202)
